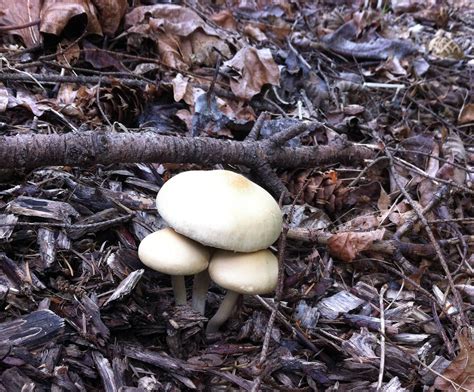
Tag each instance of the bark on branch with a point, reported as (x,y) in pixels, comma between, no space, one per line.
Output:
(89,148)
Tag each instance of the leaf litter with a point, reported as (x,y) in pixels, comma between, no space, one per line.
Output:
(368,302)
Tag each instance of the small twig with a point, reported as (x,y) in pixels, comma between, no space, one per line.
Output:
(80,79)
(280,138)
(431,236)
(442,332)
(21,26)
(383,289)
(435,200)
(401,162)
(276,106)
(210,92)
(272,181)
(262,169)
(257,127)
(279,289)
(69,226)
(104,116)
(364,171)
(447,124)
(278,295)
(414,284)
(294,330)
(388,247)
(430,155)
(383,85)
(456,387)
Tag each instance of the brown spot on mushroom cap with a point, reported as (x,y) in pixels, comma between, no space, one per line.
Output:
(220,208)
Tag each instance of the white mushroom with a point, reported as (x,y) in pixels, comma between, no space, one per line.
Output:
(220,208)
(171,253)
(241,273)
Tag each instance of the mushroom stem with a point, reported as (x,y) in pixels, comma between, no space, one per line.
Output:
(179,289)
(223,313)
(200,287)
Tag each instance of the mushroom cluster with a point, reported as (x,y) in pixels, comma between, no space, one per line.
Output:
(223,213)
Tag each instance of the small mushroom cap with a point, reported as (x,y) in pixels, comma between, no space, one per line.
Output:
(220,208)
(172,253)
(245,273)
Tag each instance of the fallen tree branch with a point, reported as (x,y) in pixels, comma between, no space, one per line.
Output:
(90,148)
(388,247)
(80,79)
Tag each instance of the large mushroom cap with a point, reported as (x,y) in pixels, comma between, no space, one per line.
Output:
(173,254)
(245,273)
(220,208)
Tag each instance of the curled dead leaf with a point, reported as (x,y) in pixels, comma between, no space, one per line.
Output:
(225,19)
(182,89)
(342,42)
(255,67)
(467,114)
(459,375)
(346,246)
(181,36)
(171,18)
(55,16)
(17,13)
(255,33)
(110,13)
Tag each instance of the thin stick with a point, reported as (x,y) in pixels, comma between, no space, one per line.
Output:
(432,238)
(382,337)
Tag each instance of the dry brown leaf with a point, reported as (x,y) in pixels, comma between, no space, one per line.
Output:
(363,222)
(346,246)
(255,33)
(236,110)
(101,59)
(55,15)
(182,37)
(110,13)
(182,89)
(27,100)
(459,375)
(66,94)
(225,19)
(384,201)
(16,13)
(400,6)
(66,100)
(202,48)
(68,52)
(173,19)
(256,68)
(418,274)
(186,116)
(467,114)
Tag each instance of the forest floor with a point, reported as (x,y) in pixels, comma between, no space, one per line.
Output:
(356,116)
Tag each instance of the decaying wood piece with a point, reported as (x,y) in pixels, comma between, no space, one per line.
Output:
(6,231)
(126,286)
(89,148)
(106,373)
(18,274)
(31,330)
(179,369)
